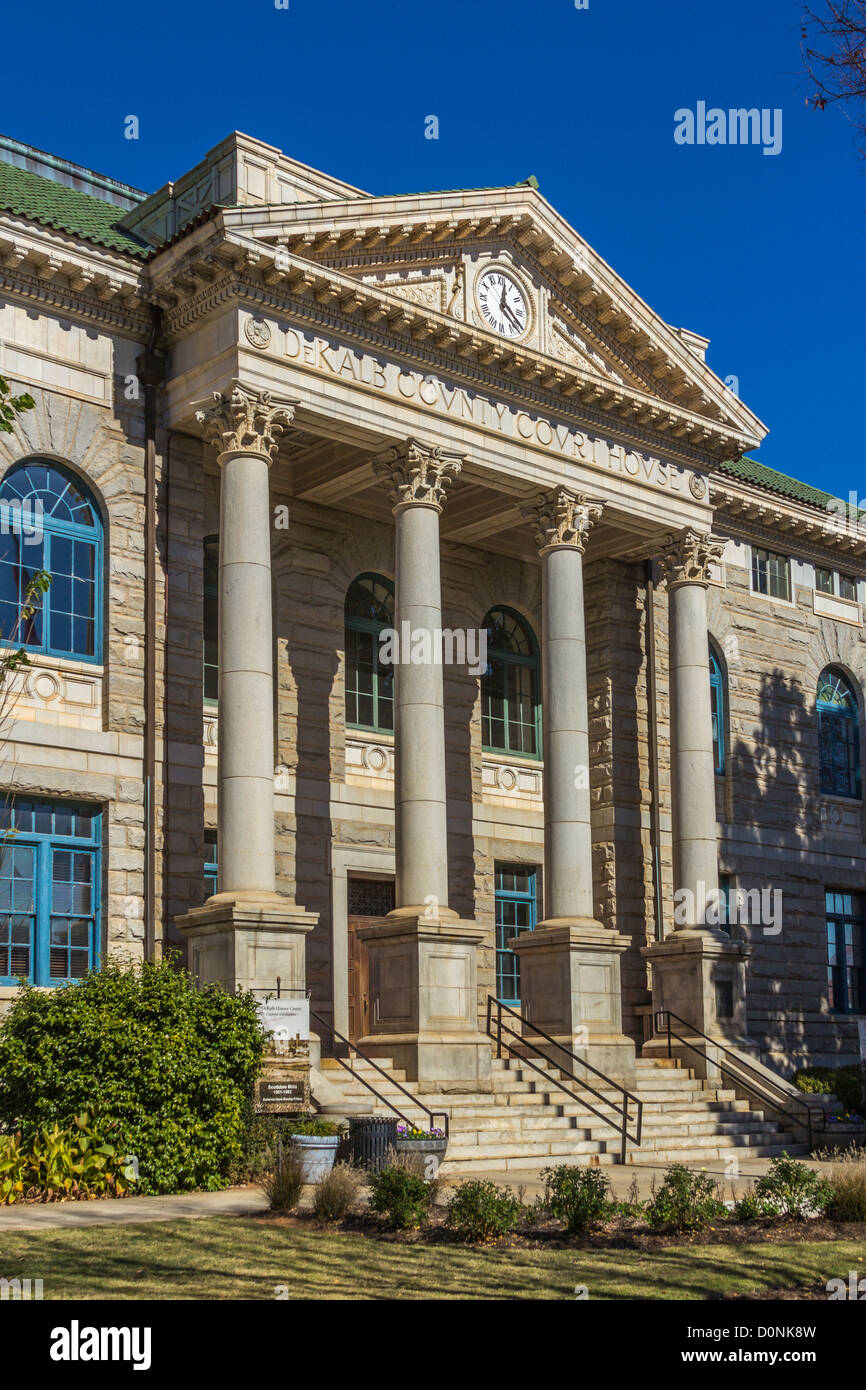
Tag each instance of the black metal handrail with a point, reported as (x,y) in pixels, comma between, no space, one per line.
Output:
(431,1114)
(760,1089)
(620,1125)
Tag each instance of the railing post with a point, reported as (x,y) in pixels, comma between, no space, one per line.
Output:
(670,1047)
(624,1128)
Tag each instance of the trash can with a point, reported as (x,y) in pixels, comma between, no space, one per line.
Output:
(371,1138)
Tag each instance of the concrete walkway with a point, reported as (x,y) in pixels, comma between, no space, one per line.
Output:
(248,1201)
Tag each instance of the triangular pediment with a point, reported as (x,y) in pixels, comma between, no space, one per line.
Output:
(585,333)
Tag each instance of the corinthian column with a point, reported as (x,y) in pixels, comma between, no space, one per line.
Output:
(422,957)
(698,971)
(569,966)
(247,934)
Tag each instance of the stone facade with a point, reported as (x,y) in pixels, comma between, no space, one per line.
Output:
(364,315)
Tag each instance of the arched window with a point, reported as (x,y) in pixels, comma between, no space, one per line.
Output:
(510,686)
(838,735)
(717,704)
(369,683)
(49,523)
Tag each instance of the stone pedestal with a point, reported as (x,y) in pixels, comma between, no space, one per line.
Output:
(424,999)
(570,987)
(246,941)
(700,976)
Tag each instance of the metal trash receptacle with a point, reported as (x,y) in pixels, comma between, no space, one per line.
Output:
(371,1139)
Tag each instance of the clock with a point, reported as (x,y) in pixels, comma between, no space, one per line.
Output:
(503,303)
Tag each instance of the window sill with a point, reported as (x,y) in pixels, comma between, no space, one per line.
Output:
(83,665)
(363,735)
(836,799)
(515,759)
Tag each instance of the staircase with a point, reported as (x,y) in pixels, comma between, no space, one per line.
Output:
(524,1124)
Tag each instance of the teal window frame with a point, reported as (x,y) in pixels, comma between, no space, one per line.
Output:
(512,902)
(845,914)
(69,549)
(838,735)
(509,668)
(368,679)
(40,868)
(717,707)
(211,864)
(210,621)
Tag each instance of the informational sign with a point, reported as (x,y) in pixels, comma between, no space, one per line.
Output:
(286,1018)
(282,1095)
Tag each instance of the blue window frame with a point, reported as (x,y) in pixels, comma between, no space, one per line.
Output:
(516,889)
(846,945)
(210,652)
(510,686)
(717,705)
(211,875)
(369,683)
(838,735)
(50,523)
(49,891)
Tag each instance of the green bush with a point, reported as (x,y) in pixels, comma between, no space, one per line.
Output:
(482,1212)
(748,1208)
(400,1195)
(314,1128)
(845,1082)
(686,1201)
(579,1197)
(83,1160)
(848,1185)
(173,1066)
(792,1189)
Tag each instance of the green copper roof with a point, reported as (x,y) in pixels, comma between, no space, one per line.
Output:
(749,471)
(66,210)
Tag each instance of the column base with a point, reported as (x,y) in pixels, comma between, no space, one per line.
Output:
(247,941)
(570,987)
(424,999)
(699,975)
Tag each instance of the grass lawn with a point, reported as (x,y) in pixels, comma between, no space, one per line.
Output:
(240,1258)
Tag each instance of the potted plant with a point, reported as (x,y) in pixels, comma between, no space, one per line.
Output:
(427,1146)
(844,1131)
(316,1143)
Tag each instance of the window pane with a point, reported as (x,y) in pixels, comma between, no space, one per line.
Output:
(847,587)
(824,580)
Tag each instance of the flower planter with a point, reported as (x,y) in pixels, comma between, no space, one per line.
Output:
(317,1154)
(428,1152)
(841,1136)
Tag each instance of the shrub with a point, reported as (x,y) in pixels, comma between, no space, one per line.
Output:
(284,1184)
(844,1082)
(336,1191)
(400,1195)
(482,1212)
(848,1190)
(579,1197)
(173,1065)
(686,1201)
(80,1161)
(792,1189)
(748,1208)
(313,1128)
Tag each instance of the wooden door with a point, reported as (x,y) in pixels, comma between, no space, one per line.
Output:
(369,900)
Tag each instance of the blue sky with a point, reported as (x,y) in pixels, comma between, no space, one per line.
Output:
(765,255)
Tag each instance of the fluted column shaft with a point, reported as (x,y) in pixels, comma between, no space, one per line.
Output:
(687,564)
(245,427)
(416,478)
(562,521)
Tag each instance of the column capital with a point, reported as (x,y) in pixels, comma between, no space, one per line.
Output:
(561,517)
(687,557)
(245,421)
(416,475)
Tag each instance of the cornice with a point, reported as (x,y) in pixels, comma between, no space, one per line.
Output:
(59,273)
(816,535)
(219,271)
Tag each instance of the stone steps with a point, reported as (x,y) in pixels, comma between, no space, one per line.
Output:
(527,1121)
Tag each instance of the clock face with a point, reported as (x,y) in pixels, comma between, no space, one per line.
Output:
(503,304)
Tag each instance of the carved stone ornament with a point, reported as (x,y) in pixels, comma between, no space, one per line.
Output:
(688,556)
(416,475)
(258,332)
(561,518)
(698,486)
(246,421)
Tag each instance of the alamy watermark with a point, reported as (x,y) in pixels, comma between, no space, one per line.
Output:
(736,126)
(22,519)
(421,646)
(711,907)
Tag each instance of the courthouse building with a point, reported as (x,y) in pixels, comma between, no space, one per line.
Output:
(277,416)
